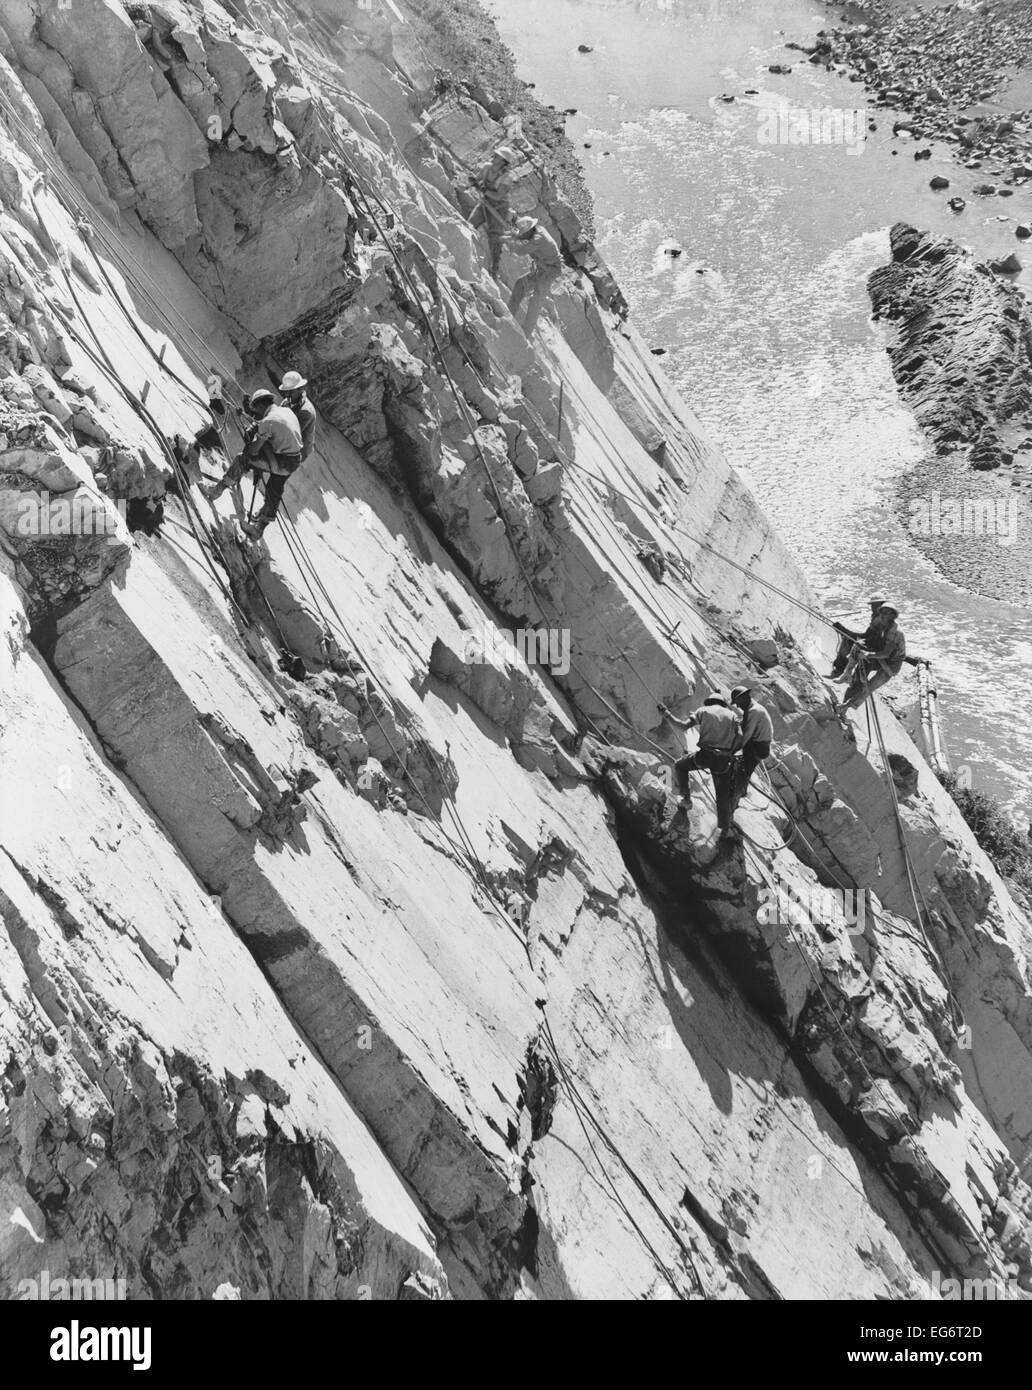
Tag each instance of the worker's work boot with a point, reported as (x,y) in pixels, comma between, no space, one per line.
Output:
(212,491)
(825,712)
(845,724)
(256,528)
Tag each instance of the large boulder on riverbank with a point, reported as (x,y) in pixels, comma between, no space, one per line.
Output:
(961,355)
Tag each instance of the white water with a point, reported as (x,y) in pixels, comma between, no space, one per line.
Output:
(772,345)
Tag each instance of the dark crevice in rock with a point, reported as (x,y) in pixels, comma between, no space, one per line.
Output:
(674,890)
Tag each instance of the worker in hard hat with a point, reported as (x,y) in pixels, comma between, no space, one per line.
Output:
(754,740)
(719,732)
(493,211)
(842,668)
(272,445)
(293,389)
(879,659)
(529,238)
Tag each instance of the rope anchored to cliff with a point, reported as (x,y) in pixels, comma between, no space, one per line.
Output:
(292,533)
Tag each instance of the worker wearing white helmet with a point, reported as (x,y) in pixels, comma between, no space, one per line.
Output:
(493,212)
(848,637)
(880,658)
(529,238)
(292,389)
(754,742)
(719,736)
(272,445)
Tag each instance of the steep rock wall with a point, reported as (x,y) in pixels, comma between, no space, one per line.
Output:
(508,1033)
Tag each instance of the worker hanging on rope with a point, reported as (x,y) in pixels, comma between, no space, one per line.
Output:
(879,657)
(848,639)
(292,389)
(272,445)
(719,732)
(754,740)
(529,238)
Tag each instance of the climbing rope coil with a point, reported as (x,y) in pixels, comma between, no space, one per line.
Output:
(211,369)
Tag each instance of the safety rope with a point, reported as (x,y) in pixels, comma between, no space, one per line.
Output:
(471,425)
(916,892)
(532,589)
(112,374)
(206,543)
(914,884)
(103,362)
(482,873)
(902,1116)
(583,1112)
(417,298)
(68,195)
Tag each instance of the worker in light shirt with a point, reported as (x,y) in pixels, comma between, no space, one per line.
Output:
(754,740)
(718,730)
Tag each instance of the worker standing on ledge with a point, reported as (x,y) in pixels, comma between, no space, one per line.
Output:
(529,238)
(718,737)
(493,213)
(272,445)
(292,389)
(757,733)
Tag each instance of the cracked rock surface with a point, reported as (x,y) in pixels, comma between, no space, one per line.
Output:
(351,946)
(960,353)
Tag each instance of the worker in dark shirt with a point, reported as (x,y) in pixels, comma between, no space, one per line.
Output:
(879,658)
(848,638)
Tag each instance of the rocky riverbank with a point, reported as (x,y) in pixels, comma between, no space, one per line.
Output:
(960,356)
(948,67)
(349,949)
(964,335)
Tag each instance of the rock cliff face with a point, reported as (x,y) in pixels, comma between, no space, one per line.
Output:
(391,974)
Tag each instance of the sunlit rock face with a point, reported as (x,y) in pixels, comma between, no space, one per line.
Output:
(353,944)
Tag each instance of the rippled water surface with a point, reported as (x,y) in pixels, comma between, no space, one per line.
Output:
(772,343)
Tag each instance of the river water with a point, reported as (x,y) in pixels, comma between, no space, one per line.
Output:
(765,315)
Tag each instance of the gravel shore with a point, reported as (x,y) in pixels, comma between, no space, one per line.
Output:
(956,71)
(973,526)
(961,348)
(962,76)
